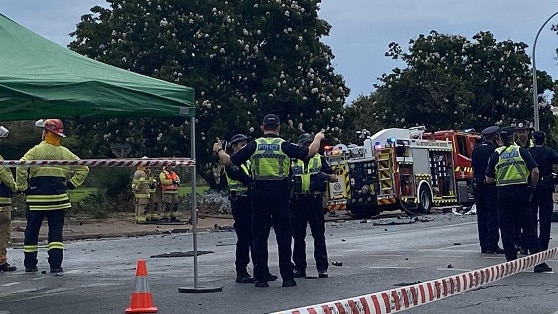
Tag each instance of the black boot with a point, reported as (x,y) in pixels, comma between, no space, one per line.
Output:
(543,268)
(298,273)
(242,275)
(7,267)
(245,278)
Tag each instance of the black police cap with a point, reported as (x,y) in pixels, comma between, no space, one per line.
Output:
(490,130)
(271,120)
(539,136)
(239,138)
(506,131)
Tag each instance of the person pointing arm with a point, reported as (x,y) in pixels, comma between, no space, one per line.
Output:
(226,158)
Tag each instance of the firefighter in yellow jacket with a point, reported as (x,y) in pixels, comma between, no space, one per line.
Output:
(46,189)
(153,214)
(7,189)
(140,187)
(169,187)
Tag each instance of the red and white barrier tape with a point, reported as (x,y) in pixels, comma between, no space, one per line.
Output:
(395,300)
(128,162)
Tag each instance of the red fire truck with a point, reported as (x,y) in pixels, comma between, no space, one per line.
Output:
(406,169)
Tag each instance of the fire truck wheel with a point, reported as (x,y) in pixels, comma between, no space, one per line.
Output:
(425,199)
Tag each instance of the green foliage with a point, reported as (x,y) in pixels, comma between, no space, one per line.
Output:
(244,58)
(23,136)
(92,205)
(100,205)
(107,190)
(81,193)
(112,181)
(451,82)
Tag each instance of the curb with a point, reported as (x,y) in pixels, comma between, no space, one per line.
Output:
(91,236)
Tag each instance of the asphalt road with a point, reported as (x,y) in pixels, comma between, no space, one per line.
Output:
(100,274)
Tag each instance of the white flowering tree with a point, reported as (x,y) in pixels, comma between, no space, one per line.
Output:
(244,58)
(452,82)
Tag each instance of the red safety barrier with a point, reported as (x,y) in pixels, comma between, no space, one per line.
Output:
(128,162)
(395,300)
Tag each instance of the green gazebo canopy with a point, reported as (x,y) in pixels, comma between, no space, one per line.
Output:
(40,79)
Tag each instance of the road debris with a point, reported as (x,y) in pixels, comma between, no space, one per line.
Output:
(223,228)
(180,254)
(396,221)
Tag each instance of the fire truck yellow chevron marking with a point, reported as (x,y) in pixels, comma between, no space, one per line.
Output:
(385,201)
(335,207)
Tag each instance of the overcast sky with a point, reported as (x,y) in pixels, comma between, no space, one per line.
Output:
(361,29)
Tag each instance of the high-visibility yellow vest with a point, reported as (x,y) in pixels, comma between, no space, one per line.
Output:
(269,162)
(511,168)
(235,185)
(303,175)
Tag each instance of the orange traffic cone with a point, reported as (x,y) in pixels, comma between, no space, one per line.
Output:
(142,300)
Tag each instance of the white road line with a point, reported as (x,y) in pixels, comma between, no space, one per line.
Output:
(442,256)
(10,284)
(380,255)
(390,267)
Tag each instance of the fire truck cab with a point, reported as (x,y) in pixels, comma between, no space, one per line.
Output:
(402,169)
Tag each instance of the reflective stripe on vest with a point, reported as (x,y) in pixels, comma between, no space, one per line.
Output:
(511,168)
(5,201)
(139,186)
(314,166)
(235,185)
(269,162)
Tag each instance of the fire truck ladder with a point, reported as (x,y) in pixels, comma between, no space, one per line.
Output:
(385,171)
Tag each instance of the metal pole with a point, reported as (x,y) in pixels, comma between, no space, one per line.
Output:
(194,217)
(194,213)
(535,88)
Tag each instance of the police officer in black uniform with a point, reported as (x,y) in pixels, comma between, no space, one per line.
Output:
(270,161)
(523,139)
(239,182)
(310,177)
(486,203)
(542,203)
(516,174)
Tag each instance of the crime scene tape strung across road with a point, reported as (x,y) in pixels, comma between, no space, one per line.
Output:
(127,162)
(395,300)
